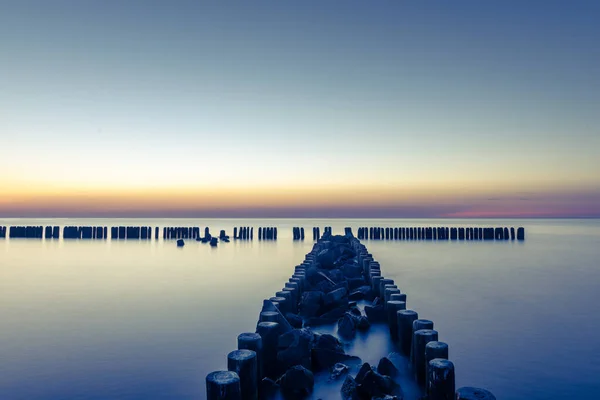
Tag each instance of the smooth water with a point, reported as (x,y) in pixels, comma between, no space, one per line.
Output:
(147,320)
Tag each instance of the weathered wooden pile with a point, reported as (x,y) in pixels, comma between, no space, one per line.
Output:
(281,357)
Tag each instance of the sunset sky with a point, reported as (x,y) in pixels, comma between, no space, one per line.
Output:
(306,108)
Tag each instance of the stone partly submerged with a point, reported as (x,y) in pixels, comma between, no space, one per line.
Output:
(323,292)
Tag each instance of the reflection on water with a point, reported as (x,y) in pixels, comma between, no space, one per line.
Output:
(147,320)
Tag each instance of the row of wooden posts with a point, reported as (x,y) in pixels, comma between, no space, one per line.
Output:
(441,233)
(413,336)
(264,233)
(128,232)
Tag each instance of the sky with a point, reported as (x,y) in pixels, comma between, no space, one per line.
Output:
(300,109)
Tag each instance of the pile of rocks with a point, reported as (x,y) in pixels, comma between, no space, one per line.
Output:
(330,283)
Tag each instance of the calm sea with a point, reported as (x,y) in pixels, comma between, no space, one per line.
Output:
(95,320)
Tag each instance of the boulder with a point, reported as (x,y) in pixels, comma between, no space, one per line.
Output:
(374,384)
(363,324)
(336,297)
(348,390)
(180,243)
(360,293)
(347,326)
(294,348)
(366,367)
(297,381)
(355,283)
(375,313)
(326,341)
(338,370)
(351,270)
(386,367)
(310,304)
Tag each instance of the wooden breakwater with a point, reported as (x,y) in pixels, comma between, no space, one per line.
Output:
(285,351)
(441,233)
(264,233)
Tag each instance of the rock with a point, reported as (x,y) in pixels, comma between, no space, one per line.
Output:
(326,258)
(351,270)
(338,370)
(324,286)
(348,390)
(214,241)
(323,359)
(297,381)
(360,293)
(377,301)
(386,367)
(347,327)
(314,276)
(355,283)
(376,385)
(336,297)
(294,348)
(328,342)
(363,324)
(180,243)
(336,275)
(294,320)
(366,367)
(375,313)
(310,304)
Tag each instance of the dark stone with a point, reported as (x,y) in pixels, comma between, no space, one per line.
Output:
(351,270)
(375,313)
(347,327)
(366,367)
(354,283)
(323,359)
(386,367)
(348,390)
(374,384)
(363,324)
(294,348)
(297,381)
(294,320)
(360,293)
(310,303)
(338,370)
(328,342)
(336,297)
(180,243)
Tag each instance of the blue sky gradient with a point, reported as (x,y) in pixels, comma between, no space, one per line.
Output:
(435,104)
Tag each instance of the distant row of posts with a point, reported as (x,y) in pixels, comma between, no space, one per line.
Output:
(264,233)
(441,233)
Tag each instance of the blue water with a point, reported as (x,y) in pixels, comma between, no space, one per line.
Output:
(146,320)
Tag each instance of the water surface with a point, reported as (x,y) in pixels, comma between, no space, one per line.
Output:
(147,320)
